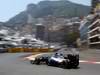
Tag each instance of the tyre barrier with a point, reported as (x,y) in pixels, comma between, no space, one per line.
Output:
(18,50)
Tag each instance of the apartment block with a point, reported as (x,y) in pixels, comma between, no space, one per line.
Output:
(94,32)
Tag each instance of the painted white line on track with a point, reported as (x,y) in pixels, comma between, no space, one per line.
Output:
(82,61)
(97,62)
(92,62)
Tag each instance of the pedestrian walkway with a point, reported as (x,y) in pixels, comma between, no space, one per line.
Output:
(90,54)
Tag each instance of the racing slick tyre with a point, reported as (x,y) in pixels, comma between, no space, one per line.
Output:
(63,64)
(76,64)
(49,63)
(37,61)
(67,64)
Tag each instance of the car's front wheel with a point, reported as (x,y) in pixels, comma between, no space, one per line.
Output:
(31,61)
(37,61)
(64,64)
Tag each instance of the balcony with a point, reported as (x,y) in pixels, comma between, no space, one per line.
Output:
(97,35)
(94,33)
(95,40)
(94,24)
(95,29)
(97,16)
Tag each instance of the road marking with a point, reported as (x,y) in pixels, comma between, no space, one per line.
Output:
(82,61)
(32,57)
(91,62)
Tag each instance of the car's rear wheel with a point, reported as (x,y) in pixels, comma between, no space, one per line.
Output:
(76,64)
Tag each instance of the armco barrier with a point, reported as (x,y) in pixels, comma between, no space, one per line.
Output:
(16,50)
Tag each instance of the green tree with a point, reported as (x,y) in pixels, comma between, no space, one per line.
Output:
(71,37)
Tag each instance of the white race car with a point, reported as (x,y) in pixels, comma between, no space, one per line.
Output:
(64,60)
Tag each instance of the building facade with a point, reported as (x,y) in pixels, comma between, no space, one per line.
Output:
(90,31)
(94,3)
(90,27)
(84,32)
(40,32)
(94,32)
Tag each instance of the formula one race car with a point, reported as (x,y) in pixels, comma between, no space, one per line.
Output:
(40,58)
(63,58)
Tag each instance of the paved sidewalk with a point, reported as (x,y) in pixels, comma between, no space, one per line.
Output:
(90,54)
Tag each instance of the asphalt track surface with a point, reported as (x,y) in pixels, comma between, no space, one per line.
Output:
(13,64)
